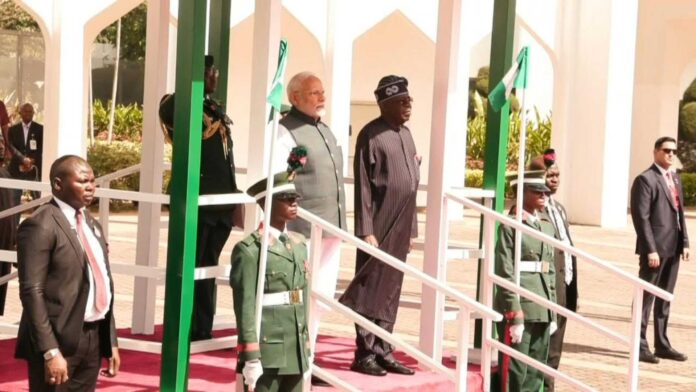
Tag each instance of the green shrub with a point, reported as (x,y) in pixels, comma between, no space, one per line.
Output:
(473,178)
(689,186)
(128,121)
(687,120)
(538,137)
(107,158)
(690,93)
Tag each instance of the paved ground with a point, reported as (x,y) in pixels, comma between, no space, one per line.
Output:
(590,357)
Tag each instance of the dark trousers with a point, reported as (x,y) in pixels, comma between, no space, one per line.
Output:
(278,383)
(211,240)
(664,277)
(83,366)
(370,345)
(555,350)
(5,269)
(535,343)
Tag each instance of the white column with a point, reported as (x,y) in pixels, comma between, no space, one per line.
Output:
(147,249)
(263,64)
(448,141)
(338,60)
(597,58)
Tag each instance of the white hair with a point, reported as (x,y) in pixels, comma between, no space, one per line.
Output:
(296,82)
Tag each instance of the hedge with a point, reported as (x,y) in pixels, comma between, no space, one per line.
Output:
(107,158)
(689,186)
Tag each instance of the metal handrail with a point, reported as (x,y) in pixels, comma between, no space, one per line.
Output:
(561,246)
(466,304)
(399,265)
(490,277)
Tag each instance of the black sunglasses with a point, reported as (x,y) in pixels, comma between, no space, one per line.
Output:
(669,150)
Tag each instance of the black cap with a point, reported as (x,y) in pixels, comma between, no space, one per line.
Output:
(391,86)
(209,60)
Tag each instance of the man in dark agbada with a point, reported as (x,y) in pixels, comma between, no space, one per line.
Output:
(217,176)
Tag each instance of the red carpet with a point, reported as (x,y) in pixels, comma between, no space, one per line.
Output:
(214,371)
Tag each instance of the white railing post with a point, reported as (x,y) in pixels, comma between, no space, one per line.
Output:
(486,295)
(315,245)
(634,348)
(104,211)
(464,321)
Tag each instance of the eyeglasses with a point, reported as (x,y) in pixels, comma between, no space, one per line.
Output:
(287,196)
(406,101)
(669,150)
(316,93)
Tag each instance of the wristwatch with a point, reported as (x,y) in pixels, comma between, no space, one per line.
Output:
(50,354)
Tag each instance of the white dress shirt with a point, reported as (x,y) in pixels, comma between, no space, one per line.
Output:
(90,311)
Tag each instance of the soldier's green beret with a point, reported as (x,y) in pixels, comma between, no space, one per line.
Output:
(533,179)
(282,183)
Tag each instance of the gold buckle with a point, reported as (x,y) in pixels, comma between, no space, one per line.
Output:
(295,297)
(545,267)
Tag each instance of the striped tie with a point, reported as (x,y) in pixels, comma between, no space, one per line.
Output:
(100,302)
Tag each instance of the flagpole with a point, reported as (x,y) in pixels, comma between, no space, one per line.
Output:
(521,84)
(520,184)
(263,252)
(268,202)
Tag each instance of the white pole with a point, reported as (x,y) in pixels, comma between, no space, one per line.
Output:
(263,252)
(520,185)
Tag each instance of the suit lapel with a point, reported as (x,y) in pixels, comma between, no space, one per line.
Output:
(662,184)
(69,232)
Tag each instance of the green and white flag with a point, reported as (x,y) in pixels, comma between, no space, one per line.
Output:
(275,96)
(516,77)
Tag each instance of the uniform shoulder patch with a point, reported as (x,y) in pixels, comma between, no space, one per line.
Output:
(296,237)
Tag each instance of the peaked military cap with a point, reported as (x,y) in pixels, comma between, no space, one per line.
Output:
(533,179)
(282,183)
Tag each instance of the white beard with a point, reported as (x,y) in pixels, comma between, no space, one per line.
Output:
(321,112)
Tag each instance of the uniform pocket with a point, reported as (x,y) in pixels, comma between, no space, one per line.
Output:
(273,347)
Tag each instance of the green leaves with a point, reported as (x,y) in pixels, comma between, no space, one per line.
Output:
(538,137)
(128,121)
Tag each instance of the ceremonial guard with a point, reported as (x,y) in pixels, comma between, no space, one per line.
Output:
(278,361)
(217,176)
(526,326)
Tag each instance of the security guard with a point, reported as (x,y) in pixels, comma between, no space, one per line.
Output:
(280,360)
(217,176)
(526,325)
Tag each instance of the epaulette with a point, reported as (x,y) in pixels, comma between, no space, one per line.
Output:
(296,237)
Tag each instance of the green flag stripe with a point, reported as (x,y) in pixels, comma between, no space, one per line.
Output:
(275,96)
(516,77)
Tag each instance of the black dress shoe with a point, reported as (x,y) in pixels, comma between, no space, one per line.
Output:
(671,354)
(647,356)
(394,366)
(318,382)
(368,366)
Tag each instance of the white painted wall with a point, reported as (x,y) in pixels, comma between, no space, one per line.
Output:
(665,66)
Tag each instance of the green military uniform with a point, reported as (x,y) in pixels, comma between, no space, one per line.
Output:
(537,274)
(284,346)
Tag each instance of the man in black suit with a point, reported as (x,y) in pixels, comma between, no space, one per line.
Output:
(657,209)
(66,288)
(26,145)
(565,263)
(217,176)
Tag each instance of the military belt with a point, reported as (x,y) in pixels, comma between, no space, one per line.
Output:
(292,297)
(534,266)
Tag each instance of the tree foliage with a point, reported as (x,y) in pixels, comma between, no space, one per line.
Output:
(133,25)
(13,17)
